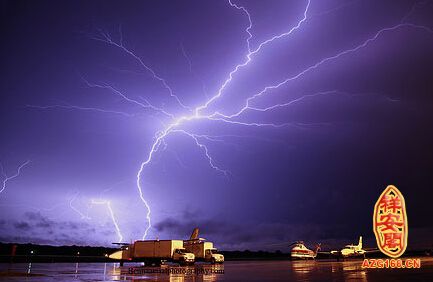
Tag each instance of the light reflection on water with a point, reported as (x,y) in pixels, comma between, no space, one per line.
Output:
(354,271)
(29,268)
(233,271)
(348,270)
(202,272)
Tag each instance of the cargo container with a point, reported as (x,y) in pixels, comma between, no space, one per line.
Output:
(154,252)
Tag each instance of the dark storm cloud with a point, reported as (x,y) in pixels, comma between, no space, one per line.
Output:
(245,236)
(39,221)
(169,224)
(34,216)
(252,235)
(37,226)
(186,224)
(22,226)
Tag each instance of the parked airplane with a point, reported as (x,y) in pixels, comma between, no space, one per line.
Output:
(353,250)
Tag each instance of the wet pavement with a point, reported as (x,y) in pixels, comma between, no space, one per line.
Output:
(229,271)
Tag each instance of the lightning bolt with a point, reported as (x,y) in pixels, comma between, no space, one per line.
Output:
(251,53)
(82,215)
(187,58)
(250,25)
(201,112)
(307,96)
(99,201)
(199,144)
(6,178)
(117,92)
(105,37)
(113,218)
(315,66)
(74,107)
(172,127)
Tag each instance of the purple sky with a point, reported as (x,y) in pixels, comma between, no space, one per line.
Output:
(344,108)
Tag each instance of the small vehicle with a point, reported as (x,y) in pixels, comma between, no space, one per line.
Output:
(203,251)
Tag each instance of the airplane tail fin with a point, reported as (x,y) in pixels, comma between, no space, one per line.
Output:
(360,242)
(194,235)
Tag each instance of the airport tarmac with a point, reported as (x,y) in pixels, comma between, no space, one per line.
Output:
(229,271)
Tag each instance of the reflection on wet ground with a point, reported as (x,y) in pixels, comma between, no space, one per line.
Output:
(229,271)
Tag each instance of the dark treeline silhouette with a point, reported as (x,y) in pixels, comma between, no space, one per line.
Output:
(10,252)
(44,253)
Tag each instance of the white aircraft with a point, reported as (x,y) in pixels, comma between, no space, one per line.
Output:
(353,250)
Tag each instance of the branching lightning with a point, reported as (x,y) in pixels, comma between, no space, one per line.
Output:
(6,178)
(106,38)
(117,92)
(101,200)
(315,66)
(113,218)
(81,214)
(73,107)
(202,112)
(251,53)
(196,138)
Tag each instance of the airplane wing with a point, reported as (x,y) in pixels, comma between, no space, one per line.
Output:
(372,250)
(329,252)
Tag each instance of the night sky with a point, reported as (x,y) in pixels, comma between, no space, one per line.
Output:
(93,91)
